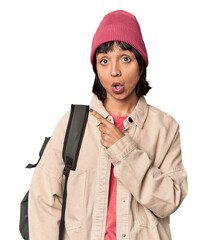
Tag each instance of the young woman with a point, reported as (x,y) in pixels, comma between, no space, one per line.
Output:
(130,176)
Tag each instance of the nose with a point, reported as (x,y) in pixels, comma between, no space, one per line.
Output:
(115,69)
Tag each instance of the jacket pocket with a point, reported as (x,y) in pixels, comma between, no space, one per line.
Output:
(75,199)
(144,217)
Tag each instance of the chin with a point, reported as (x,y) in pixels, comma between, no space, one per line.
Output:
(121,96)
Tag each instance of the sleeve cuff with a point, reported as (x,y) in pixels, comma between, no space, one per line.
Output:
(121,149)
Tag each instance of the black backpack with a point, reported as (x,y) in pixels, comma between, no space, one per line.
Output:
(72,143)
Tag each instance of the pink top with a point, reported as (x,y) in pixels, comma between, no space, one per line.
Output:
(110,233)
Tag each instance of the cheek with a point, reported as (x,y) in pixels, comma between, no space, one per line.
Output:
(132,76)
(102,77)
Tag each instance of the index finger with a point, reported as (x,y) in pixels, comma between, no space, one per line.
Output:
(99,117)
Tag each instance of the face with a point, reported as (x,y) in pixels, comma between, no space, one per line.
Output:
(118,72)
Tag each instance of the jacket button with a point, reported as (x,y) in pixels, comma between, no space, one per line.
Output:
(130,119)
(123,235)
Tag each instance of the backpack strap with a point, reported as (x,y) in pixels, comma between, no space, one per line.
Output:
(72,144)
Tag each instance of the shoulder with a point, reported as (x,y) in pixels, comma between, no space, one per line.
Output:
(60,128)
(63,122)
(161,118)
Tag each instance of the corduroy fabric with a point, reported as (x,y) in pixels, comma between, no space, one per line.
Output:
(119,26)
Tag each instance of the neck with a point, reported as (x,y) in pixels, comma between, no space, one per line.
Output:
(120,107)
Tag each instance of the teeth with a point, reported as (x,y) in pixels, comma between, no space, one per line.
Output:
(117,87)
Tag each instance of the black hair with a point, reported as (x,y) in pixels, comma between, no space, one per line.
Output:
(142,86)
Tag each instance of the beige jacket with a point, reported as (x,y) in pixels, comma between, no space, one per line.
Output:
(151,179)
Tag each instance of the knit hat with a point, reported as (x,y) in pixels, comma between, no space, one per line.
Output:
(119,26)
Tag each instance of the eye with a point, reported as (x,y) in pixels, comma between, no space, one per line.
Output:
(103,61)
(126,59)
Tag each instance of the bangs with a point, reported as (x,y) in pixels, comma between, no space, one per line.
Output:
(108,46)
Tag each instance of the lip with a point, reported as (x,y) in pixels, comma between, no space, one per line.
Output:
(119,90)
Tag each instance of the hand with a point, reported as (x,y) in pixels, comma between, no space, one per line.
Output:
(109,132)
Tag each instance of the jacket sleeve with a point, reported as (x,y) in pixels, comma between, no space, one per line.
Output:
(46,189)
(161,189)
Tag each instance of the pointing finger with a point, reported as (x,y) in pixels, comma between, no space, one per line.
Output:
(99,117)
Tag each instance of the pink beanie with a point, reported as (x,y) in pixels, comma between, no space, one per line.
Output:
(119,26)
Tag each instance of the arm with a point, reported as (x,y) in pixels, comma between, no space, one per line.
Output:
(160,189)
(46,190)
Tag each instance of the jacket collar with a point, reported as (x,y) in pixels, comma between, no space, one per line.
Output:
(138,115)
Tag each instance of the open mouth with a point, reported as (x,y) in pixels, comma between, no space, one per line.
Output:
(117,87)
